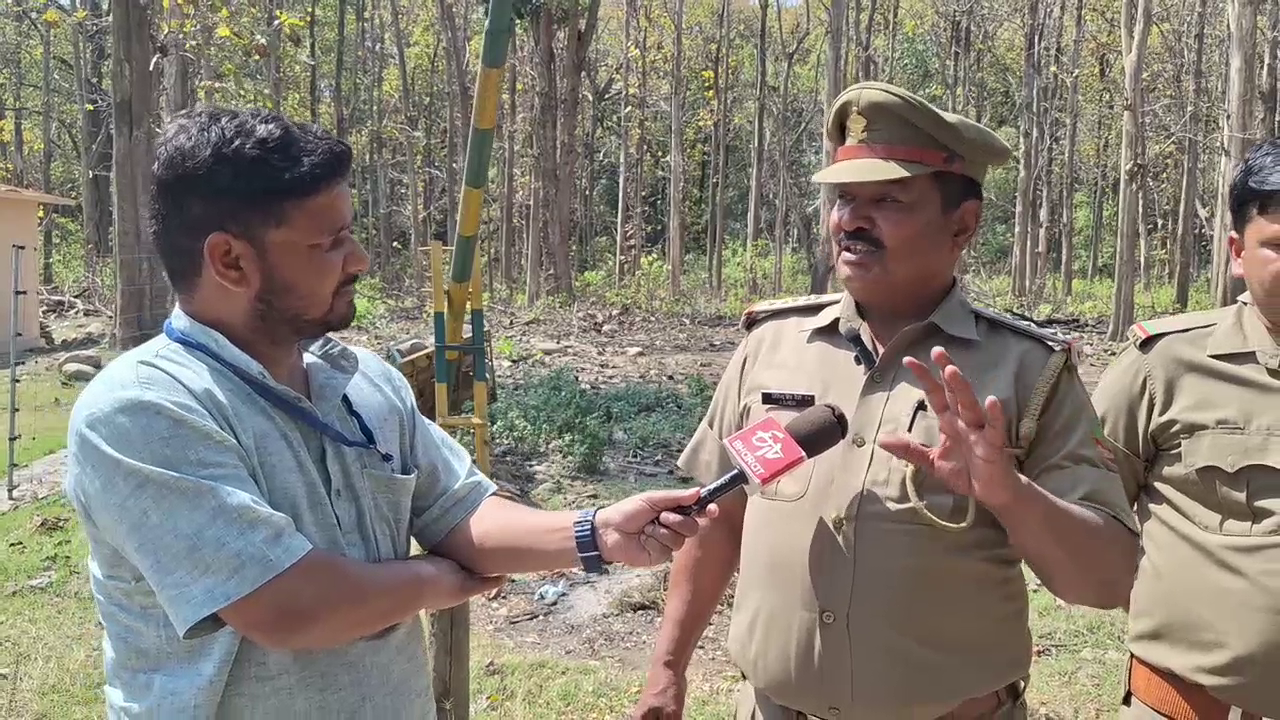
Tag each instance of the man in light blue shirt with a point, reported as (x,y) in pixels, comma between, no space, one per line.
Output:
(249,486)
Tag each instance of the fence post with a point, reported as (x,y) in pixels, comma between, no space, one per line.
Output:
(15,317)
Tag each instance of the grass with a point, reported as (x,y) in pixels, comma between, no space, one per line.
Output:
(44,403)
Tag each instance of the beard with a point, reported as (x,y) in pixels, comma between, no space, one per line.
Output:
(279,315)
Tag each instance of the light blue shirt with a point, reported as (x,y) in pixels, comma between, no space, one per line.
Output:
(193,491)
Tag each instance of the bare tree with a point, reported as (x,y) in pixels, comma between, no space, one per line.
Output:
(1135,28)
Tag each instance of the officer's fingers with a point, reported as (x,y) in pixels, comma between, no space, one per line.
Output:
(960,393)
(903,447)
(994,432)
(934,393)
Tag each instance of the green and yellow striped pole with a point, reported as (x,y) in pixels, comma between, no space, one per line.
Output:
(450,629)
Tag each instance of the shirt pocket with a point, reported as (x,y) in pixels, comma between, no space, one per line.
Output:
(794,484)
(932,494)
(1231,483)
(391,505)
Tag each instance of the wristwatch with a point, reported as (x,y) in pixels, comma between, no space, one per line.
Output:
(584,536)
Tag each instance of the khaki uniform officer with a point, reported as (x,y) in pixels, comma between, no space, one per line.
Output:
(1192,407)
(868,588)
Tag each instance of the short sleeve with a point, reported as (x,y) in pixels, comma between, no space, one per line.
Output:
(152,474)
(450,485)
(705,458)
(1125,408)
(1066,457)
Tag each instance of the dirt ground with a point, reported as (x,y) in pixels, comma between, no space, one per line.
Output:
(566,614)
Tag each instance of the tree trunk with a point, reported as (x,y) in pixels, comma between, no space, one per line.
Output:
(1237,130)
(46,143)
(1023,204)
(823,263)
(675,195)
(1135,25)
(1069,162)
(142,297)
(757,150)
(624,147)
(1183,245)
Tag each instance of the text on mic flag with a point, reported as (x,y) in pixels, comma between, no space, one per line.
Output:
(764,450)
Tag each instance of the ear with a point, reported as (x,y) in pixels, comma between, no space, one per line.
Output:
(232,262)
(964,223)
(1235,245)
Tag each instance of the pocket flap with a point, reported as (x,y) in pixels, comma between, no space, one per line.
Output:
(1231,450)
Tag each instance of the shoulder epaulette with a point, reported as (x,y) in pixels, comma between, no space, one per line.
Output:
(1140,332)
(764,308)
(1045,335)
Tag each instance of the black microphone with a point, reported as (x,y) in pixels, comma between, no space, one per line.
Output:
(815,430)
(861,353)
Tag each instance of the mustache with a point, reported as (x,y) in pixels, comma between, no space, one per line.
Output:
(866,237)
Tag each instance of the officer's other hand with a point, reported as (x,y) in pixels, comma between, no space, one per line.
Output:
(663,697)
(642,531)
(971,457)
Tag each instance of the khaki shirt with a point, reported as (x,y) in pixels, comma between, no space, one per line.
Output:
(850,602)
(1192,407)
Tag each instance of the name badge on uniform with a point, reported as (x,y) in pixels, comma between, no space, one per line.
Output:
(786,399)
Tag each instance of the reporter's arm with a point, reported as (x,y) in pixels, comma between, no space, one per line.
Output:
(326,600)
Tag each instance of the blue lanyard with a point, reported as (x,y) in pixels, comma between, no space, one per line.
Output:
(271,395)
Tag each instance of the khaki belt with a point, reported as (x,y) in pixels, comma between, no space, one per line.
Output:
(1176,698)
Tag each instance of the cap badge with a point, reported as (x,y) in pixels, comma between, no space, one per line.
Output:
(857,128)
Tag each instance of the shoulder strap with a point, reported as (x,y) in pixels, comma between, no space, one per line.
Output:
(1065,351)
(1141,332)
(1045,335)
(764,308)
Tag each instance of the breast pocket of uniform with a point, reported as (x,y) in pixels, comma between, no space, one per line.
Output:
(390,507)
(1231,484)
(931,495)
(794,484)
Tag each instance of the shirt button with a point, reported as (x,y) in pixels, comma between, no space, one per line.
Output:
(876,377)
(833,711)
(337,492)
(828,617)
(858,441)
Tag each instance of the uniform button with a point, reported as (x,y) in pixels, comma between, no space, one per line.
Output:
(833,712)
(828,617)
(858,441)
(876,377)
(837,522)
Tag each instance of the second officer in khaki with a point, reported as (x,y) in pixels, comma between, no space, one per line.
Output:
(883,579)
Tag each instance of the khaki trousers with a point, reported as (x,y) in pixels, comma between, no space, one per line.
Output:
(752,704)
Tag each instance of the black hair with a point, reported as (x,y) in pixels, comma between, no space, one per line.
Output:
(1255,189)
(956,189)
(236,171)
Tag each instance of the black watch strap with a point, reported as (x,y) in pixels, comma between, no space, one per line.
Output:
(584,536)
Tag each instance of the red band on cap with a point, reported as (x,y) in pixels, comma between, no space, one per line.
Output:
(921,156)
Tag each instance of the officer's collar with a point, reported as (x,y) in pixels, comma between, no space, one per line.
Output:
(954,315)
(1243,331)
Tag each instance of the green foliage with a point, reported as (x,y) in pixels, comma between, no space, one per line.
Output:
(554,415)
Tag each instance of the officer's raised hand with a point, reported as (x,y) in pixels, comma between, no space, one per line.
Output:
(970,457)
